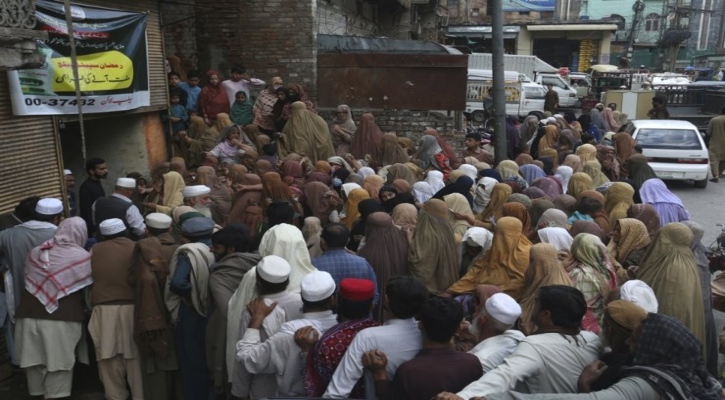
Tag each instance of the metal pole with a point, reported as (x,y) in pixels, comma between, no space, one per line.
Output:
(499,90)
(76,76)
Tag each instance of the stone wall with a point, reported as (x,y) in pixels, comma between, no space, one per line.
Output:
(339,17)
(410,124)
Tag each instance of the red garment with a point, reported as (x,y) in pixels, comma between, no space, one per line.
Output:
(213,99)
(443,164)
(447,148)
(323,359)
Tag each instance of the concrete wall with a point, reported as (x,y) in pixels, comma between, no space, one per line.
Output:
(339,17)
(128,143)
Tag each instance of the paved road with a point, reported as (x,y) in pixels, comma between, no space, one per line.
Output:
(705,205)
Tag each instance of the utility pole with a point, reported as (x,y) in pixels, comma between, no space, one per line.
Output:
(499,90)
(638,8)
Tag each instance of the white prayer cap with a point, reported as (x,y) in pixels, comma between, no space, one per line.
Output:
(49,206)
(550,120)
(558,116)
(67,172)
(111,227)
(273,269)
(158,221)
(196,191)
(503,308)
(639,293)
(317,286)
(128,183)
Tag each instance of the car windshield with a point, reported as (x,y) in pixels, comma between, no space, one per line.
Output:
(676,139)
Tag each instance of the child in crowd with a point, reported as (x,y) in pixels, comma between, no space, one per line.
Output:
(242,113)
(193,91)
(177,113)
(174,85)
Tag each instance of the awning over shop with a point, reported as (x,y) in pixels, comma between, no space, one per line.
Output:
(572,27)
(509,32)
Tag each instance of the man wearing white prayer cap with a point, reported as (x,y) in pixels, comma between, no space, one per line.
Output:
(272,280)
(15,243)
(492,328)
(550,361)
(198,196)
(639,293)
(112,321)
(280,353)
(119,205)
(70,184)
(158,365)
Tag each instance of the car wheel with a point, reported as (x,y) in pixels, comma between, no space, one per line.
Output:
(478,116)
(701,184)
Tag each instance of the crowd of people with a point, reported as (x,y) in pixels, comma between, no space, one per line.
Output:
(279,255)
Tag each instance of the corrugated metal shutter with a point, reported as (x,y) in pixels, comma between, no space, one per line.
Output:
(155,41)
(30,164)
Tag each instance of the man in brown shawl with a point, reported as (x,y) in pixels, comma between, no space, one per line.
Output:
(716,146)
(152,331)
(231,251)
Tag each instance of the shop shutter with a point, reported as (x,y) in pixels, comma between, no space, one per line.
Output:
(30,164)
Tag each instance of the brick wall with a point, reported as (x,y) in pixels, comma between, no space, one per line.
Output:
(278,37)
(179,31)
(410,124)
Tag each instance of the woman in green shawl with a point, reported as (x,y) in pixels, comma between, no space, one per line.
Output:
(242,110)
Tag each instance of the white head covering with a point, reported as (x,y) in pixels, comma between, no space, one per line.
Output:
(273,269)
(67,172)
(196,191)
(349,187)
(128,183)
(317,286)
(49,206)
(639,293)
(503,308)
(557,237)
(550,120)
(365,172)
(469,170)
(158,221)
(111,227)
(475,236)
(484,187)
(423,191)
(563,174)
(435,180)
(285,241)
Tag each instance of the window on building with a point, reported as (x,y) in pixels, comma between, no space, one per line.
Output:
(652,22)
(475,12)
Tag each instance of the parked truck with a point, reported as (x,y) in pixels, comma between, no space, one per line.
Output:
(535,69)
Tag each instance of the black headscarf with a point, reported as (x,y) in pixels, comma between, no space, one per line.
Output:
(366,207)
(490,173)
(670,349)
(462,185)
(534,149)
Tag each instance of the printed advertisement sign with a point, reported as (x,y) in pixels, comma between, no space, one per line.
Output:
(529,5)
(112,61)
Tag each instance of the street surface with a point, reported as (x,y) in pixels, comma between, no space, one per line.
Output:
(706,206)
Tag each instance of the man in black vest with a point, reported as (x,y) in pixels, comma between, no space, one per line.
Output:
(91,190)
(119,205)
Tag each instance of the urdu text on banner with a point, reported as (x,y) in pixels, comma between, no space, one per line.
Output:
(112,60)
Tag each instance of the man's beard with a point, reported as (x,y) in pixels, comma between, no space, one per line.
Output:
(203,209)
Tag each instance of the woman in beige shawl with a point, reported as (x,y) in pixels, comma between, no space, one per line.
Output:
(544,270)
(503,265)
(306,134)
(670,269)
(392,152)
(617,201)
(405,217)
(171,196)
(458,204)
(586,153)
(342,130)
(433,257)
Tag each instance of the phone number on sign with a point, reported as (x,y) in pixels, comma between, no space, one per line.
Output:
(59,102)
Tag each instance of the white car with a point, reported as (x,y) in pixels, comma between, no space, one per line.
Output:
(675,149)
